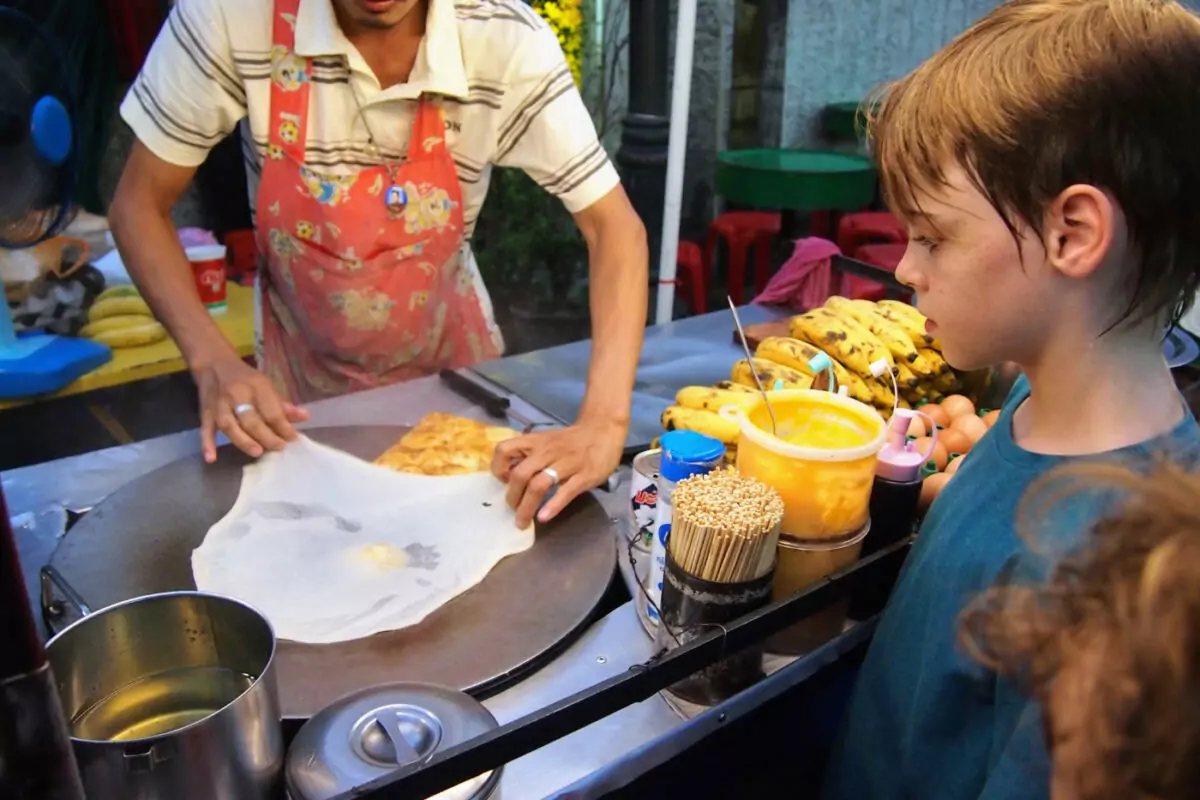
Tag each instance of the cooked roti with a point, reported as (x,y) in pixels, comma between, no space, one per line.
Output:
(443,444)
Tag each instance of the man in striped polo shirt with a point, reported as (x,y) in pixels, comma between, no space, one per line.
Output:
(370,128)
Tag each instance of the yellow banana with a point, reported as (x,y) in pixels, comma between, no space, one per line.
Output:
(113,324)
(730,386)
(842,337)
(909,319)
(125,290)
(678,418)
(905,377)
(893,335)
(149,333)
(118,306)
(946,383)
(882,395)
(769,372)
(903,403)
(936,362)
(707,398)
(796,353)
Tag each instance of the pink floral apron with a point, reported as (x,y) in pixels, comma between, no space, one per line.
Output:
(359,292)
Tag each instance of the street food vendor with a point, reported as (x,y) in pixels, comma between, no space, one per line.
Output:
(371,128)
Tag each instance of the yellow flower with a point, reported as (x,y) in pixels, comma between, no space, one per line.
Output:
(565,18)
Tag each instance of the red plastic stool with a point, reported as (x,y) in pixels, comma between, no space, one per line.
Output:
(691,279)
(241,255)
(742,230)
(886,256)
(869,227)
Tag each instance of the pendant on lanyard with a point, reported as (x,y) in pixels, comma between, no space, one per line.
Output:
(395,198)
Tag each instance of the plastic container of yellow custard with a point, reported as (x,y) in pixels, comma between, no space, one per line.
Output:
(821,458)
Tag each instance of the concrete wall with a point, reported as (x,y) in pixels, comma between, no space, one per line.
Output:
(838,50)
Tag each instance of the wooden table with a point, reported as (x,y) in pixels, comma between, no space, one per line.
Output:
(131,364)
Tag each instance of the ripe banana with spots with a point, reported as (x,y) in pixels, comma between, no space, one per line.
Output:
(769,373)
(893,335)
(905,377)
(119,307)
(912,320)
(149,332)
(843,338)
(935,359)
(796,354)
(735,387)
(678,418)
(708,398)
(946,383)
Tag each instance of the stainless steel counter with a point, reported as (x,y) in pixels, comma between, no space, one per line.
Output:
(698,350)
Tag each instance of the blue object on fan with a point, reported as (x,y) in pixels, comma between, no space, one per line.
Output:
(50,127)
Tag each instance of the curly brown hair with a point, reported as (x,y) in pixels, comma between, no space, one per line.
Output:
(1110,645)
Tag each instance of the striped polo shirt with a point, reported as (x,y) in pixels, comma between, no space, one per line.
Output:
(508,95)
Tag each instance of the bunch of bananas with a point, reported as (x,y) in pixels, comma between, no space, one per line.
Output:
(857,333)
(854,334)
(120,318)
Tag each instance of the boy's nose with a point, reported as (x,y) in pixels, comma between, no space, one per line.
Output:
(907,272)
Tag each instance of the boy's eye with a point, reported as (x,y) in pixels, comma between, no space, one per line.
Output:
(924,241)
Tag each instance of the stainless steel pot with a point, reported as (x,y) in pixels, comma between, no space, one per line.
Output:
(172,697)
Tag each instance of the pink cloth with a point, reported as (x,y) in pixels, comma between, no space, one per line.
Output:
(806,280)
(196,237)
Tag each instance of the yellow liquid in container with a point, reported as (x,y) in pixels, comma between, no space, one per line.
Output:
(822,462)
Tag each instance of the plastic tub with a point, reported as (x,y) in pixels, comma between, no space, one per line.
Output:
(826,480)
(800,565)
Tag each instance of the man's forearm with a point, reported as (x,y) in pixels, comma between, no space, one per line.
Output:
(155,259)
(618,290)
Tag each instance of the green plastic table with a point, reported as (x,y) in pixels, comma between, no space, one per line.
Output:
(796,181)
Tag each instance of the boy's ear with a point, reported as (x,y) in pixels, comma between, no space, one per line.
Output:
(1080,227)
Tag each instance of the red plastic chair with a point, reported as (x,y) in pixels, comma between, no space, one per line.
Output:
(886,256)
(691,279)
(869,227)
(742,230)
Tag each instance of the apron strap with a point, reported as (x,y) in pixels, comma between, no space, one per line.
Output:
(291,81)
(428,129)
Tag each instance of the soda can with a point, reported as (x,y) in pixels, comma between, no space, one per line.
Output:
(643,497)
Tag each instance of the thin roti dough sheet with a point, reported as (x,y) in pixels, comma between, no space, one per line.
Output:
(330,548)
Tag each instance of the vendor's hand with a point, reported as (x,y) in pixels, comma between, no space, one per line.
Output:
(583,456)
(264,424)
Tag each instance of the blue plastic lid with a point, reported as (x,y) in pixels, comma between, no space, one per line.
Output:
(688,453)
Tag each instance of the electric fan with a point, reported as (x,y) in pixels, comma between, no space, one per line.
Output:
(37,176)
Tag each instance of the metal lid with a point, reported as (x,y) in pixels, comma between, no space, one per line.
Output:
(371,733)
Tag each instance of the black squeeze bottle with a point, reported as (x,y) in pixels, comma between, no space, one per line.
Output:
(893,508)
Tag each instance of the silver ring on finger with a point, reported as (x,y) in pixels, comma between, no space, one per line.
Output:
(552,474)
(244,408)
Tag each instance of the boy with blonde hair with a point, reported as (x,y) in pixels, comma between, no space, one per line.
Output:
(1047,163)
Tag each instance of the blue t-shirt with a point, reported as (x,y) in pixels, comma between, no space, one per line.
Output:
(926,722)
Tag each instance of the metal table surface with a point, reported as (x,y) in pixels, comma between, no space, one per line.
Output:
(694,351)
(698,350)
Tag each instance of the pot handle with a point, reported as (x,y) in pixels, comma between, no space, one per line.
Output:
(144,757)
(54,584)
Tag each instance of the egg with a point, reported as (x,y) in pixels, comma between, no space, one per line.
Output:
(939,456)
(937,414)
(971,425)
(916,428)
(953,466)
(955,441)
(931,487)
(990,418)
(956,406)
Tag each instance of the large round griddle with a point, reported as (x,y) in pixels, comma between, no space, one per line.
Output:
(140,540)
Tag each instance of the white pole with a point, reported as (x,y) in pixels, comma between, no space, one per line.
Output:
(681,95)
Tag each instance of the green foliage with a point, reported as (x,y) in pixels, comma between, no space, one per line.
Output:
(527,244)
